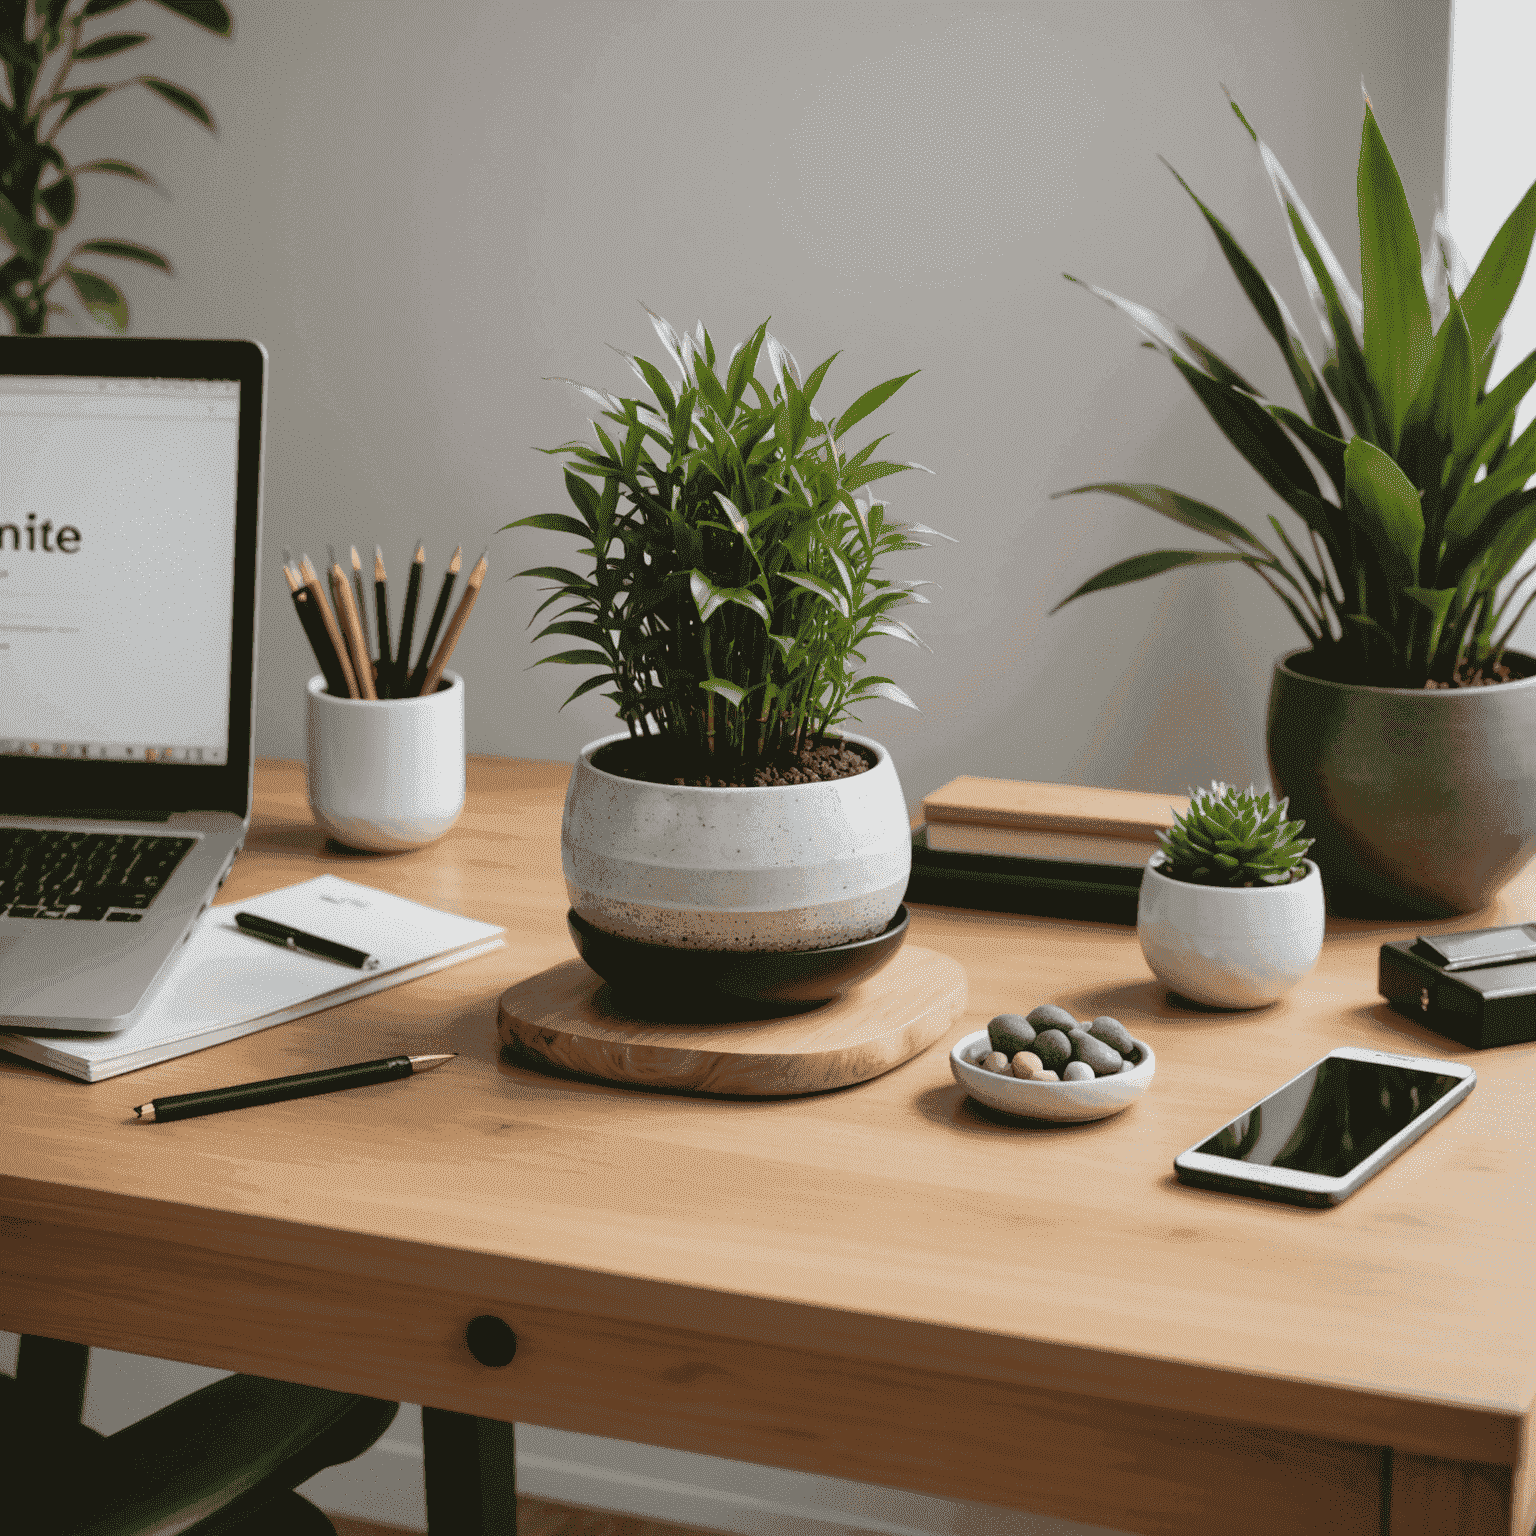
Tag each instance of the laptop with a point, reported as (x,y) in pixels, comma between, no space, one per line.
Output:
(129,517)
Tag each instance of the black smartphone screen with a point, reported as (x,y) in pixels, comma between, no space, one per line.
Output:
(1331,1118)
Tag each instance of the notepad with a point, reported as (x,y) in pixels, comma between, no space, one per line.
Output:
(226,984)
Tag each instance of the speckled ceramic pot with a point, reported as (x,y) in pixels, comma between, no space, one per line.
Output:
(1229,948)
(800,866)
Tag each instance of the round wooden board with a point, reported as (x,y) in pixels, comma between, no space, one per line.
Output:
(567,1018)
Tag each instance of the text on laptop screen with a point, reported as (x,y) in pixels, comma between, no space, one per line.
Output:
(117,549)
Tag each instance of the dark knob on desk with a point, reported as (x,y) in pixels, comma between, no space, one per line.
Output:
(490,1341)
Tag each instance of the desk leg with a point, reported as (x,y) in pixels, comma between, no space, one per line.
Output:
(50,1386)
(1431,1497)
(471,1474)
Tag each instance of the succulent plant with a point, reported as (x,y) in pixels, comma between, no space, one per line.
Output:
(1232,838)
(1400,569)
(732,553)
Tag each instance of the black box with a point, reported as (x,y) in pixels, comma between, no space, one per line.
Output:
(1489,1005)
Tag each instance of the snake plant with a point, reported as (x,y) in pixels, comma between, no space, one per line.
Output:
(1404,474)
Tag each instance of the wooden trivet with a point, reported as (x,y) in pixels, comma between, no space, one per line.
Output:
(568,1018)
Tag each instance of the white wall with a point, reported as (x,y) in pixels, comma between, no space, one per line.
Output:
(424,210)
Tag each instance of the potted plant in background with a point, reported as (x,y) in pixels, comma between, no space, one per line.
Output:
(41,41)
(730,589)
(1402,733)
(1231,912)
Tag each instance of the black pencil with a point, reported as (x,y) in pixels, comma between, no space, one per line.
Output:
(349,689)
(314,628)
(419,672)
(408,619)
(303,1085)
(381,606)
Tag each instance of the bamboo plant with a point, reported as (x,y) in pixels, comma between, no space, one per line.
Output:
(41,42)
(732,553)
(1404,473)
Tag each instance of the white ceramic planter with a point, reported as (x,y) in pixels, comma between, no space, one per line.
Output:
(387,774)
(790,867)
(1229,948)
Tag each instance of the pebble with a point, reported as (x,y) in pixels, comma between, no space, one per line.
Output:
(1011,1033)
(995,1061)
(1027,1064)
(1053,1048)
(1077,1072)
(1129,1066)
(1049,1016)
(1113,1033)
(1103,1059)
(1047,1077)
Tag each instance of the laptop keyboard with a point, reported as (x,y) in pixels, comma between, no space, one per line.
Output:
(89,876)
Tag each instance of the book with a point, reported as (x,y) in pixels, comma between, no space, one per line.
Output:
(1012,818)
(226,983)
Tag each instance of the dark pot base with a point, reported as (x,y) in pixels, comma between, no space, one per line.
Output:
(662,985)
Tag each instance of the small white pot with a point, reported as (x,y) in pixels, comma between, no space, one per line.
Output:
(387,774)
(785,867)
(1230,948)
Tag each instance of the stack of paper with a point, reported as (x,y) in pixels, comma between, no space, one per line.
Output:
(226,984)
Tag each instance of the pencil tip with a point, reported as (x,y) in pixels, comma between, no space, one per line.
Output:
(458,559)
(421,551)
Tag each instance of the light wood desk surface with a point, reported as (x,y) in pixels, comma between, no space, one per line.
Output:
(886,1283)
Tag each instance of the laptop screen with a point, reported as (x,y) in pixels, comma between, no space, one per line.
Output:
(117,538)
(129,512)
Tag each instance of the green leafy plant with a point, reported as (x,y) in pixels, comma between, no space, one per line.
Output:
(1231,838)
(732,553)
(41,41)
(1428,514)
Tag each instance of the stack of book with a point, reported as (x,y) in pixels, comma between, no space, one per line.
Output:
(1061,850)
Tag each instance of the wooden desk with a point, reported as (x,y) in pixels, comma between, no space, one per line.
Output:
(884,1283)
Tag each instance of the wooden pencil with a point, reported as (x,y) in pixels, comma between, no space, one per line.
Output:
(455,627)
(362,602)
(423,661)
(352,627)
(332,629)
(386,686)
(408,619)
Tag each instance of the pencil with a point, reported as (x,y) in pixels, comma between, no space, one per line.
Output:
(302,1085)
(455,627)
(351,627)
(419,675)
(362,602)
(386,681)
(408,619)
(319,641)
(332,630)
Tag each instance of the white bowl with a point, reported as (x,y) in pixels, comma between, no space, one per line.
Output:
(1095,1100)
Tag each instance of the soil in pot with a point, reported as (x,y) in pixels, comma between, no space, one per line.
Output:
(653,760)
(1509,668)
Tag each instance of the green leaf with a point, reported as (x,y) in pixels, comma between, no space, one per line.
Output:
(211,14)
(577,659)
(1154,563)
(1325,447)
(1437,417)
(871,400)
(1381,501)
(78,100)
(105,47)
(59,200)
(557,522)
(101,7)
(1398,338)
(595,681)
(182,100)
(102,300)
(1492,287)
(726,690)
(1438,603)
(820,588)
(128,251)
(1182,509)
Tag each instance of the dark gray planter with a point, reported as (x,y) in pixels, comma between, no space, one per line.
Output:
(1422,801)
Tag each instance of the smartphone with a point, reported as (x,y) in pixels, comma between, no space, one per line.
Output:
(1320,1137)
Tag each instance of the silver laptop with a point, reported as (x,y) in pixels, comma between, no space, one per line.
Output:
(130,491)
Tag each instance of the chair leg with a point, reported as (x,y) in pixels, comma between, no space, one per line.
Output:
(52,1374)
(471,1474)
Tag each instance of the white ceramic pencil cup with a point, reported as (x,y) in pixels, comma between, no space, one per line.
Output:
(387,774)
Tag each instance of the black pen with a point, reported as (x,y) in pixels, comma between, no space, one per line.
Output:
(303,1085)
(296,938)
